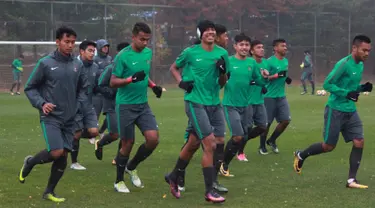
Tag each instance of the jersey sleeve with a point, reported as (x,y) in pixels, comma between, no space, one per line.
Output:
(35,81)
(182,59)
(119,66)
(227,62)
(330,83)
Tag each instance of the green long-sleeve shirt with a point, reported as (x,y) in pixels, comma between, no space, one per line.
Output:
(256,95)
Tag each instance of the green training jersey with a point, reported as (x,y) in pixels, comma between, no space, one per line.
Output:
(237,89)
(276,87)
(126,64)
(344,78)
(256,95)
(200,65)
(17,65)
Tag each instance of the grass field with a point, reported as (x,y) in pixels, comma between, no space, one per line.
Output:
(264,181)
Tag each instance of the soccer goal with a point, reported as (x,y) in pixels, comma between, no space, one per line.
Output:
(32,52)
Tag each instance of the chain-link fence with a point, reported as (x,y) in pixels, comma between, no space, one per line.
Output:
(327,35)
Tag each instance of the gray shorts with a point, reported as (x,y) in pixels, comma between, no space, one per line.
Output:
(259,115)
(97,102)
(87,121)
(205,120)
(130,115)
(238,120)
(307,75)
(277,108)
(349,124)
(57,134)
(111,122)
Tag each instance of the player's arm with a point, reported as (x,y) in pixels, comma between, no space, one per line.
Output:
(223,78)
(330,83)
(259,79)
(180,63)
(117,79)
(36,79)
(104,81)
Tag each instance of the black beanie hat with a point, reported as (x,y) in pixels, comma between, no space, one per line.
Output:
(203,26)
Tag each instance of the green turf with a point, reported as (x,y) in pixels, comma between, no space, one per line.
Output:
(265,181)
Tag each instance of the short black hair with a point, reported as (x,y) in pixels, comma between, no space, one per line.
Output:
(121,46)
(255,42)
(277,41)
(86,43)
(220,29)
(197,42)
(361,39)
(242,37)
(141,27)
(65,30)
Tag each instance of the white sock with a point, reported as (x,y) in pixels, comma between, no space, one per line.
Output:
(351,180)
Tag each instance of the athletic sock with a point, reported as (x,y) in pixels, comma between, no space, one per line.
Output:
(57,171)
(140,156)
(208,173)
(355,160)
(75,150)
(107,139)
(121,162)
(314,149)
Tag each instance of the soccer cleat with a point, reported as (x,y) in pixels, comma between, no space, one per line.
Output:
(297,163)
(304,92)
(113,162)
(18,93)
(25,171)
(98,150)
(355,184)
(273,146)
(242,157)
(219,188)
(181,182)
(121,187)
(92,140)
(53,197)
(263,151)
(214,197)
(136,181)
(77,166)
(173,186)
(224,171)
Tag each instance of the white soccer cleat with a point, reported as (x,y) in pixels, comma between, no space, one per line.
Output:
(136,181)
(77,166)
(121,187)
(92,140)
(101,136)
(181,188)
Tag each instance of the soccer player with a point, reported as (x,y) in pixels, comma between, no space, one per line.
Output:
(55,87)
(109,105)
(242,74)
(131,76)
(307,73)
(340,114)
(207,63)
(102,59)
(256,101)
(86,123)
(221,39)
(17,73)
(275,101)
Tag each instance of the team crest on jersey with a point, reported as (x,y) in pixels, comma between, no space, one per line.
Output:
(148,61)
(75,69)
(249,68)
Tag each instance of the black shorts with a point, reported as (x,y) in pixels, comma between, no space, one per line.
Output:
(57,134)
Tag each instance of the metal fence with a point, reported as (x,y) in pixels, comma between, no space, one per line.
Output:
(327,35)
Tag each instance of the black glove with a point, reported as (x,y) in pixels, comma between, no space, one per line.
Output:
(138,76)
(282,74)
(252,82)
(288,80)
(264,90)
(158,91)
(187,86)
(367,87)
(228,75)
(353,95)
(220,65)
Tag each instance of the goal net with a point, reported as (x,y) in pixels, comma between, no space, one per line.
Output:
(32,52)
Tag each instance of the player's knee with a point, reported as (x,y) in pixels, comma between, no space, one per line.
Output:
(93,132)
(219,140)
(328,147)
(114,136)
(77,135)
(358,143)
(237,139)
(152,139)
(285,123)
(209,143)
(55,154)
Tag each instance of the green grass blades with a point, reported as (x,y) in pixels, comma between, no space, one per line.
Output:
(264,181)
